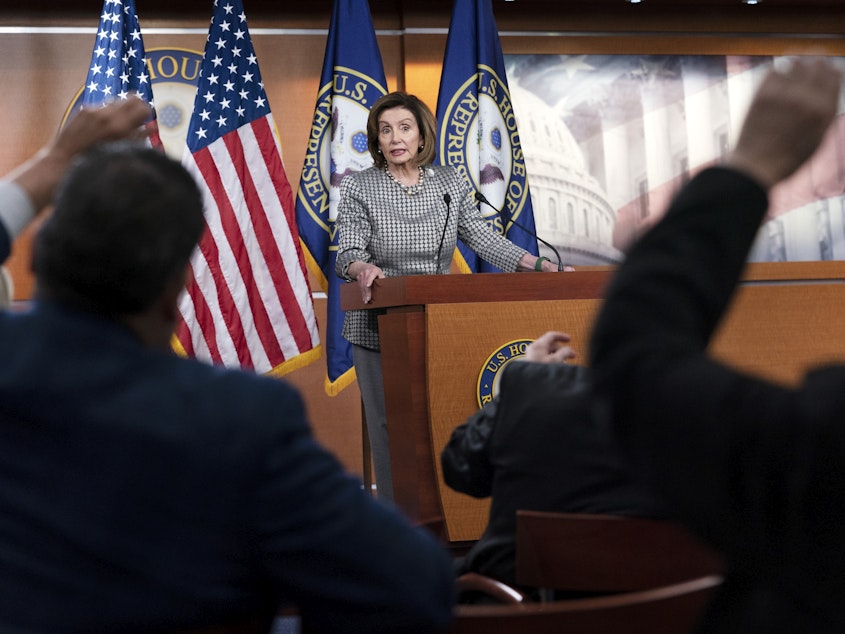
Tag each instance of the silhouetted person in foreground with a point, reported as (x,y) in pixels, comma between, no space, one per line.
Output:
(141,491)
(537,446)
(755,468)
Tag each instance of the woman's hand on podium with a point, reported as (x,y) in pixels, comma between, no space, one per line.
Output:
(365,274)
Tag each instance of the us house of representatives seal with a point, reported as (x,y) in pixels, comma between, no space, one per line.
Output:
(479,137)
(488,378)
(337,144)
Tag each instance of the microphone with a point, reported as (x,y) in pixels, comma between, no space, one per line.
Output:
(506,219)
(446,199)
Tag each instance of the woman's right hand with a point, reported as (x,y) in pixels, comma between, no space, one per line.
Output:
(364,273)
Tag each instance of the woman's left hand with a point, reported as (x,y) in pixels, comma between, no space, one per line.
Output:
(529,262)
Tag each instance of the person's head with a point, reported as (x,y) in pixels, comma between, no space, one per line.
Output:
(397,108)
(125,222)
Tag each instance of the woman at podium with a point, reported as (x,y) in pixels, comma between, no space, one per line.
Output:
(403,216)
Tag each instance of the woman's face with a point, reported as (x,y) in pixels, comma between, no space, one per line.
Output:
(399,136)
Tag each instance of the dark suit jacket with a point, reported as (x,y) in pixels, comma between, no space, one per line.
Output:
(537,447)
(755,468)
(143,491)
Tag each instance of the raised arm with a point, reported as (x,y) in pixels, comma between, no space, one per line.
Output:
(30,187)
(719,446)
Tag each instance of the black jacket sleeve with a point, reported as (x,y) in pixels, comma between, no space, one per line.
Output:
(749,464)
(466,459)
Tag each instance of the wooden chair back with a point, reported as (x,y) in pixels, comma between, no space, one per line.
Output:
(673,609)
(607,553)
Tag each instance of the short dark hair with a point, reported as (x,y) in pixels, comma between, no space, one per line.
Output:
(425,122)
(125,222)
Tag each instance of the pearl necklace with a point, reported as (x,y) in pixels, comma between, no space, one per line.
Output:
(411,190)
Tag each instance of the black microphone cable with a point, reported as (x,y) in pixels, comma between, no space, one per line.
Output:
(507,219)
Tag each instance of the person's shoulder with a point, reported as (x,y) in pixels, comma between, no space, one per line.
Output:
(235,379)
(233,396)
(442,171)
(360,181)
(366,175)
(448,176)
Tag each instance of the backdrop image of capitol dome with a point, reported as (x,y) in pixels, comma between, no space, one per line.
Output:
(608,140)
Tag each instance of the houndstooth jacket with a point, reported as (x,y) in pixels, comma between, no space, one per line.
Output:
(379,222)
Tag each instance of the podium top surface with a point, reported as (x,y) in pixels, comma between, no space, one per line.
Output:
(415,290)
(587,283)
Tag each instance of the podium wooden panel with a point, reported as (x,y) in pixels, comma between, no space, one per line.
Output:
(458,346)
(437,331)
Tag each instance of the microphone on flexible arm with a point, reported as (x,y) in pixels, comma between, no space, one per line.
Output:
(506,218)
(446,199)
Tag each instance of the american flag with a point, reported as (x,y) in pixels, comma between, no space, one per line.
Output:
(248,303)
(119,63)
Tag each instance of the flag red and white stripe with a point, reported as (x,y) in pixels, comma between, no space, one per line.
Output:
(248,303)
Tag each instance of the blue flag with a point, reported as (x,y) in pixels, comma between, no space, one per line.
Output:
(477,127)
(352,80)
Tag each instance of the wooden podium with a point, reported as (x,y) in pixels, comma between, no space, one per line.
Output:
(438,332)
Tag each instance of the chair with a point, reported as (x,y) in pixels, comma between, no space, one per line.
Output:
(607,553)
(672,609)
(497,591)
